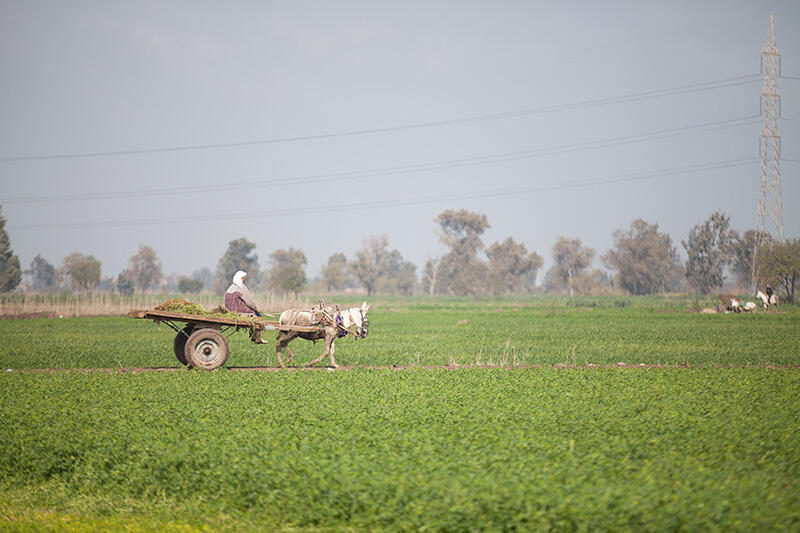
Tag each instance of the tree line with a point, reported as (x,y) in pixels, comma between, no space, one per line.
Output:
(642,261)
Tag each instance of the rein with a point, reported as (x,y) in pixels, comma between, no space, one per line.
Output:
(338,321)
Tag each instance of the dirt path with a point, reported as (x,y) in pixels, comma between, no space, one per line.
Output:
(166,369)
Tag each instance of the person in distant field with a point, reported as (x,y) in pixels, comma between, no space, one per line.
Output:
(769,292)
(238,297)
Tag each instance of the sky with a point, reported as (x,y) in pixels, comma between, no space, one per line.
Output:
(184,125)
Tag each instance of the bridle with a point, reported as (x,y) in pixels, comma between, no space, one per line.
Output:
(356,331)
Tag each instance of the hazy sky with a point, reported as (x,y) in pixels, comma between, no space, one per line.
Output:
(184,125)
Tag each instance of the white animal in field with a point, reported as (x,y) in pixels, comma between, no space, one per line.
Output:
(749,307)
(346,321)
(764,300)
(767,301)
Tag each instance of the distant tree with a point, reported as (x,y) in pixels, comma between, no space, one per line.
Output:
(370,262)
(460,271)
(779,266)
(125,282)
(571,258)
(43,274)
(189,285)
(287,274)
(461,231)
(238,256)
(741,257)
(398,276)
(380,269)
(10,269)
(334,273)
(82,270)
(430,275)
(146,268)
(205,276)
(472,279)
(405,278)
(708,248)
(512,265)
(645,260)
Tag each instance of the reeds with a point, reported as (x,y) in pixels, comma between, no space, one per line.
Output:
(54,305)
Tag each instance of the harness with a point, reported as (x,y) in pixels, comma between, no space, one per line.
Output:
(337,320)
(340,324)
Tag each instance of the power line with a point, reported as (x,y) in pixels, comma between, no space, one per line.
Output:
(449,197)
(406,169)
(710,85)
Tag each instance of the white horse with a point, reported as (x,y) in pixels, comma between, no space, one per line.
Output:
(335,323)
(765,301)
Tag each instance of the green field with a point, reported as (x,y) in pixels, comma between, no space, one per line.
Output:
(709,446)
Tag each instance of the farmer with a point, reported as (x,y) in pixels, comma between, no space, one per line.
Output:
(238,297)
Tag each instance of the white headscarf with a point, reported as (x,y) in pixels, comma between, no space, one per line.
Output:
(238,278)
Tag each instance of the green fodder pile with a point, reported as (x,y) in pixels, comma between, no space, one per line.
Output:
(188,308)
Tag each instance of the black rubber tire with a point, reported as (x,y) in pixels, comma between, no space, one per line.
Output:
(179,344)
(207,349)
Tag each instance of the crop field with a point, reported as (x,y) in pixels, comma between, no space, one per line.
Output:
(450,416)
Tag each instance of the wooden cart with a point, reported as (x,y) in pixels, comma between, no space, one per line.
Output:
(203,341)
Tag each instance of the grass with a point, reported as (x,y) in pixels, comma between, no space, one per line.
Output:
(698,448)
(449,450)
(416,332)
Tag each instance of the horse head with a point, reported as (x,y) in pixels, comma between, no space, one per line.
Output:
(763,297)
(361,320)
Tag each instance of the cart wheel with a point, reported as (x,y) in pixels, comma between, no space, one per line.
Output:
(179,344)
(206,348)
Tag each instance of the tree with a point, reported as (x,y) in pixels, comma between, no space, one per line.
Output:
(708,247)
(189,285)
(205,276)
(237,257)
(287,274)
(472,279)
(334,273)
(461,231)
(379,269)
(125,282)
(460,271)
(645,260)
(742,248)
(779,266)
(10,269)
(83,270)
(398,276)
(43,274)
(145,268)
(370,262)
(571,258)
(512,265)
(430,274)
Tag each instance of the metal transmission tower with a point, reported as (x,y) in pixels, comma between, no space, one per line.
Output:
(770,202)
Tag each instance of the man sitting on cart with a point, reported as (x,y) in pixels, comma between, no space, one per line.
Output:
(238,297)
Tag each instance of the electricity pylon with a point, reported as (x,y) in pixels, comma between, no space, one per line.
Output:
(770,202)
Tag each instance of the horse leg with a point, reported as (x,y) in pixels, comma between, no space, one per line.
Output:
(283,343)
(333,350)
(291,355)
(278,349)
(321,357)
